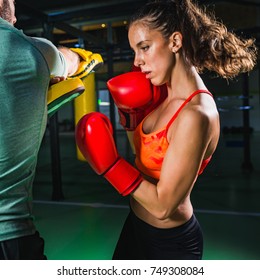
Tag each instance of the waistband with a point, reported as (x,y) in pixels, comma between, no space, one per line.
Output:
(188,226)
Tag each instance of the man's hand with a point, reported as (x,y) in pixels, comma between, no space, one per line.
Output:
(56,79)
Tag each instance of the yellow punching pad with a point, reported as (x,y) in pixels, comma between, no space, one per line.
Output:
(90,62)
(85,103)
(63,92)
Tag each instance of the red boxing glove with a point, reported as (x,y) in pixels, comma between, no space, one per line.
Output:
(135,97)
(95,141)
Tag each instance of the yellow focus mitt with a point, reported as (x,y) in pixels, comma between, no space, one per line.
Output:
(63,92)
(90,62)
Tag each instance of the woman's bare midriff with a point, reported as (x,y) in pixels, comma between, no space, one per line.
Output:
(179,217)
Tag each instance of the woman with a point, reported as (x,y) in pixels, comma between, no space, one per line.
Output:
(173,41)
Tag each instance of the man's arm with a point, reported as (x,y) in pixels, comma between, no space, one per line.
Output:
(72,59)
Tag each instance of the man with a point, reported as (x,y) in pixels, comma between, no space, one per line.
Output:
(26,65)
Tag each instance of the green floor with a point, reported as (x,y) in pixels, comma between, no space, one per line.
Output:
(87,222)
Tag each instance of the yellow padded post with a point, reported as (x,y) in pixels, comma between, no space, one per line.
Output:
(85,103)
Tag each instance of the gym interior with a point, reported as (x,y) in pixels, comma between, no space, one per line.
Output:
(77,212)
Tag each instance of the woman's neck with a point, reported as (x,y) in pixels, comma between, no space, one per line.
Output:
(184,80)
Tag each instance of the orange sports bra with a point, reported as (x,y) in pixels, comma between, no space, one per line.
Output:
(151,148)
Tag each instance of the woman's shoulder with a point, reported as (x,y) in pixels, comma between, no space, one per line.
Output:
(198,114)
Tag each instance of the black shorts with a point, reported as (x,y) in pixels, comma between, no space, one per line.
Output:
(141,241)
(29,247)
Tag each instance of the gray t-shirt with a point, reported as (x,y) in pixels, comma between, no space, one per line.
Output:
(26,65)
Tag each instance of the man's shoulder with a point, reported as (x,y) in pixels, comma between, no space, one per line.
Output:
(6,25)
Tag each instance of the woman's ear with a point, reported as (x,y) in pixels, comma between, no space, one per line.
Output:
(175,41)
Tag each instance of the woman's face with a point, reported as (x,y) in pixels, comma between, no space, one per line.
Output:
(152,53)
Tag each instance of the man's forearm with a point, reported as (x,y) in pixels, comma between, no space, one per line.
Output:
(72,59)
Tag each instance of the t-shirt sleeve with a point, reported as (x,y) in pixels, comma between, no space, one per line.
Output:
(54,58)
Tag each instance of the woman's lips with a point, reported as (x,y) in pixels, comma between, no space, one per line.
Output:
(147,74)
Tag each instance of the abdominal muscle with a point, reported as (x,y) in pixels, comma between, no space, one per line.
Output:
(182,214)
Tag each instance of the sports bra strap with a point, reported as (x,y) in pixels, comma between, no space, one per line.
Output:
(184,103)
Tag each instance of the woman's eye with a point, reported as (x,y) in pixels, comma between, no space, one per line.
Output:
(145,48)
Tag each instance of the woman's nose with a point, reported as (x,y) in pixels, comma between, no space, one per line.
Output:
(138,61)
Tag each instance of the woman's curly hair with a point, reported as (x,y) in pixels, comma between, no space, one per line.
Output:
(207,44)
